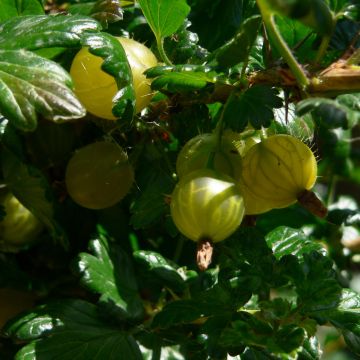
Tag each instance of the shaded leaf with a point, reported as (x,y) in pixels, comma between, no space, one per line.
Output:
(287,241)
(254,106)
(32,189)
(352,341)
(344,35)
(164,16)
(342,112)
(345,314)
(179,312)
(76,332)
(109,272)
(315,280)
(310,349)
(183,46)
(36,32)
(31,85)
(238,48)
(160,268)
(249,330)
(150,204)
(223,17)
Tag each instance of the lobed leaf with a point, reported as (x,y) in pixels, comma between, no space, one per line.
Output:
(315,281)
(42,31)
(160,268)
(255,105)
(345,315)
(248,330)
(31,85)
(287,241)
(76,331)
(109,272)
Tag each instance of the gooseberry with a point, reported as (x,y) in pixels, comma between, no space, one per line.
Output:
(195,155)
(19,227)
(96,89)
(207,205)
(275,172)
(99,175)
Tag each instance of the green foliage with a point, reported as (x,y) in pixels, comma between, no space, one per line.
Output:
(13,8)
(29,185)
(123,282)
(342,112)
(109,272)
(31,31)
(255,106)
(30,84)
(164,17)
(76,330)
(238,48)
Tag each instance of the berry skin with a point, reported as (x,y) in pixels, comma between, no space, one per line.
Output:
(207,205)
(195,155)
(99,175)
(275,172)
(96,89)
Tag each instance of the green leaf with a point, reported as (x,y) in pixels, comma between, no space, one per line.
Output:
(251,331)
(294,33)
(342,112)
(315,280)
(345,34)
(150,205)
(254,106)
(12,8)
(32,189)
(116,64)
(238,48)
(160,268)
(310,349)
(32,32)
(31,85)
(76,332)
(183,46)
(182,81)
(164,16)
(287,241)
(345,314)
(217,21)
(179,312)
(352,341)
(109,272)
